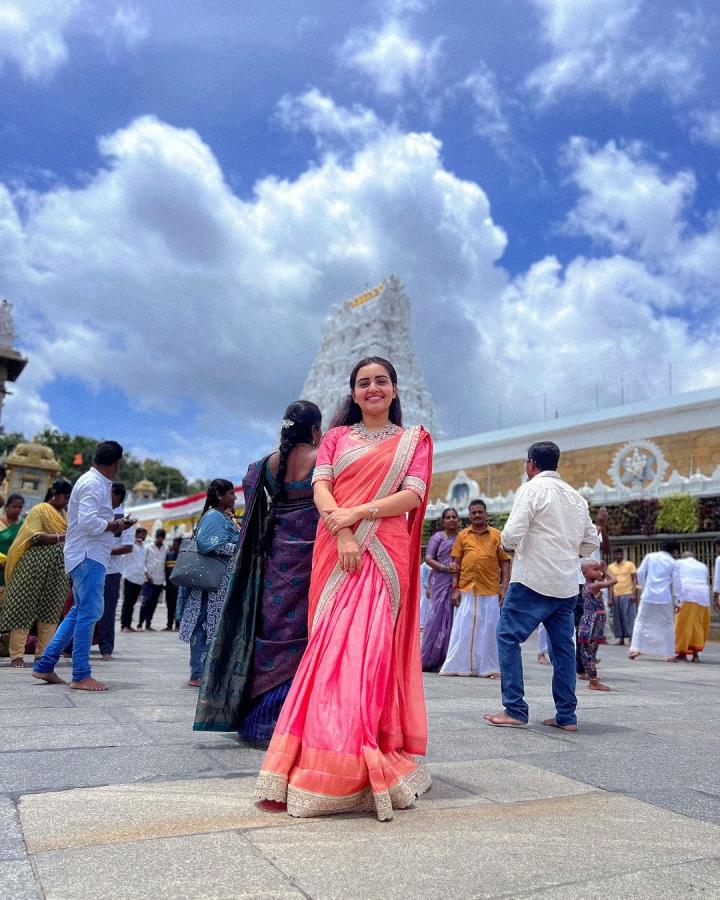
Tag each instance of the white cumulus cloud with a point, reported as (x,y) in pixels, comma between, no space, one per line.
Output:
(391,57)
(35,34)
(318,113)
(603,45)
(156,278)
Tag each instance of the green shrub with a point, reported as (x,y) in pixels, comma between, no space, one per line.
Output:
(634,517)
(678,514)
(498,520)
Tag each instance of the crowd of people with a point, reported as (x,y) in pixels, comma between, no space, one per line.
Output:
(305,632)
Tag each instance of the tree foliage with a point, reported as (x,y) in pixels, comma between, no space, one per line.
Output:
(678,514)
(75,452)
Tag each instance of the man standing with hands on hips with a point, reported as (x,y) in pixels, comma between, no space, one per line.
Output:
(549,529)
(91,531)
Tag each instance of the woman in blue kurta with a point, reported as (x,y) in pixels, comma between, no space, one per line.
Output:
(263,629)
(219,534)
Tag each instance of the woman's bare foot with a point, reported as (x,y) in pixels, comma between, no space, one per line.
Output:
(18,663)
(49,677)
(596,685)
(633,654)
(194,682)
(543,660)
(695,657)
(88,684)
(679,657)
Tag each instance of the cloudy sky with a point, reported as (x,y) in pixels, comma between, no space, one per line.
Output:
(186,189)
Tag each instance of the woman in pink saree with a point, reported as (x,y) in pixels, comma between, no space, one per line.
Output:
(354,718)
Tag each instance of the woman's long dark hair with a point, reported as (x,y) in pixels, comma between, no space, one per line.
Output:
(349,413)
(218,487)
(302,416)
(58,487)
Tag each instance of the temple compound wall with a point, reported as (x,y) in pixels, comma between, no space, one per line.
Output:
(635,451)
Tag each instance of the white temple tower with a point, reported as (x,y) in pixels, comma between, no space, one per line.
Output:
(375,323)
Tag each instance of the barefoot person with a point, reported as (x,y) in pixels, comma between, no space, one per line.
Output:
(624,597)
(549,529)
(654,627)
(37,586)
(479,585)
(438,624)
(354,719)
(91,530)
(692,621)
(591,630)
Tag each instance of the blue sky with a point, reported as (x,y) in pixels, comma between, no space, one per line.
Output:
(187,188)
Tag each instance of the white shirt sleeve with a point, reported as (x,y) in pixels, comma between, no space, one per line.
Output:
(519,520)
(591,538)
(716,576)
(89,504)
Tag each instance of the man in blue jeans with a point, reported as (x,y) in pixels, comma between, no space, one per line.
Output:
(91,532)
(549,529)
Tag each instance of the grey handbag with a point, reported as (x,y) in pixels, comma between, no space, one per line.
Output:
(197,570)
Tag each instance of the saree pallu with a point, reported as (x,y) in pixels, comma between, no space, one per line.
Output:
(262,630)
(356,710)
(37,589)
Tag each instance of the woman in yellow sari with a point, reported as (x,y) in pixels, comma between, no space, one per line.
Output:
(36,583)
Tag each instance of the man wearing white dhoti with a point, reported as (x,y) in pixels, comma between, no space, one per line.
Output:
(654,627)
(478,589)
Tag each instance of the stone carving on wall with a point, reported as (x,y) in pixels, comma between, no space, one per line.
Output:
(461,491)
(638,466)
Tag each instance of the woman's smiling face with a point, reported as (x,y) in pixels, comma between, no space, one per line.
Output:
(374,390)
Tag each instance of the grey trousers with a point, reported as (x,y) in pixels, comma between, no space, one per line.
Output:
(624,612)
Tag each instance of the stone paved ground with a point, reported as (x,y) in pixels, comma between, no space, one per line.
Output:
(114,795)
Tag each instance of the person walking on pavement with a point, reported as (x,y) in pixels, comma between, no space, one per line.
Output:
(154,579)
(549,529)
(133,579)
(113,576)
(91,528)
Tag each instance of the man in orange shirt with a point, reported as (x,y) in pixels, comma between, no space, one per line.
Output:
(478,590)
(624,596)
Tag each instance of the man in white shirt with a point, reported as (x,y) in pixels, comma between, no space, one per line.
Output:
(154,579)
(113,575)
(549,529)
(716,577)
(133,579)
(91,530)
(692,621)
(654,627)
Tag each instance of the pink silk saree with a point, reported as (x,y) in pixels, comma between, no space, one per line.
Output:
(356,709)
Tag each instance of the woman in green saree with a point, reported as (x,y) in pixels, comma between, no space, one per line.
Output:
(9,527)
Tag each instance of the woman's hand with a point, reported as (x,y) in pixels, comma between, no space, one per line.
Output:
(453,568)
(348,551)
(456,598)
(340,518)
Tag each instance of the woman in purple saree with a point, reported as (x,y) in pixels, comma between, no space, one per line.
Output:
(438,625)
(262,632)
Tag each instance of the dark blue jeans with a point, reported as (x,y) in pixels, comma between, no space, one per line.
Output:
(88,580)
(522,611)
(106,625)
